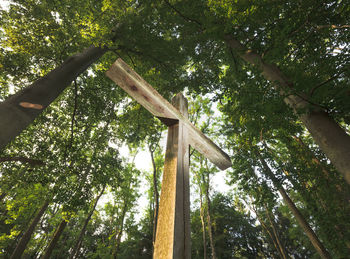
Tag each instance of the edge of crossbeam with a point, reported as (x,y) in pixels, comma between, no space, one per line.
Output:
(148,97)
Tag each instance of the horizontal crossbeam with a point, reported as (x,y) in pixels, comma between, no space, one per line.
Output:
(148,97)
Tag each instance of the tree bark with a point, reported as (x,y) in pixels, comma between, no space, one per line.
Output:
(76,248)
(330,137)
(22,244)
(55,238)
(298,216)
(20,109)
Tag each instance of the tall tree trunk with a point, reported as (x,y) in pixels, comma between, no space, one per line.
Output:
(119,232)
(155,194)
(267,230)
(22,244)
(76,248)
(330,137)
(281,247)
(20,109)
(55,238)
(298,216)
(203,224)
(305,226)
(210,233)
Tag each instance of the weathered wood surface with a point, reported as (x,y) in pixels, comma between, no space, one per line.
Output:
(173,227)
(149,98)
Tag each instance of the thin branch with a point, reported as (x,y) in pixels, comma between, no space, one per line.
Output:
(333,26)
(115,52)
(182,15)
(325,82)
(132,61)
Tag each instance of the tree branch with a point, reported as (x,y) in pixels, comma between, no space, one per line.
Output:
(333,26)
(325,82)
(182,15)
(33,162)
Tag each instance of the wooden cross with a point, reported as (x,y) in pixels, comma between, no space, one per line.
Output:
(173,226)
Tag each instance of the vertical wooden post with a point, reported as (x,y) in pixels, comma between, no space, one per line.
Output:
(173,227)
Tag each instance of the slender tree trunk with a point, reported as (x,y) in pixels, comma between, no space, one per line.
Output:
(54,240)
(330,137)
(203,224)
(22,244)
(155,194)
(281,247)
(76,248)
(119,232)
(20,109)
(267,230)
(210,233)
(305,226)
(298,216)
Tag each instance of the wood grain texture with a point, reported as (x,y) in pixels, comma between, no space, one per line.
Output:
(173,238)
(149,98)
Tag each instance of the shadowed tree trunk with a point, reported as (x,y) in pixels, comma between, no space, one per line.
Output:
(267,230)
(119,231)
(203,224)
(330,137)
(55,238)
(155,194)
(281,247)
(32,162)
(210,232)
(298,216)
(20,109)
(22,244)
(76,248)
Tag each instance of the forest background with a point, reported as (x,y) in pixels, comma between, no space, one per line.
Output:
(274,73)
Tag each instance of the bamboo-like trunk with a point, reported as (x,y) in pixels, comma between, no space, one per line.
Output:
(305,226)
(76,248)
(203,225)
(210,232)
(22,244)
(54,240)
(321,250)
(331,138)
(281,247)
(267,230)
(156,196)
(20,109)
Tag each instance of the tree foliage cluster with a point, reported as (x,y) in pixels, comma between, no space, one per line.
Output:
(267,80)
